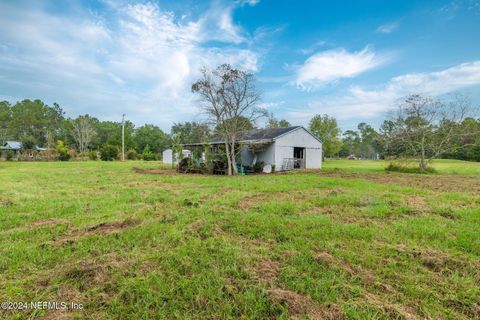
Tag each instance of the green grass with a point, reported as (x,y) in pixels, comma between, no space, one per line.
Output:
(441,166)
(318,244)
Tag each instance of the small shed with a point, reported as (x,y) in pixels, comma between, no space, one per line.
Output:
(169,158)
(285,148)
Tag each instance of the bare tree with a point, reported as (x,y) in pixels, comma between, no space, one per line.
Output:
(83,132)
(229,97)
(424,127)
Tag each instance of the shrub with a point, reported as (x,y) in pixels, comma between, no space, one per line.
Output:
(108,153)
(258,166)
(47,155)
(93,155)
(62,151)
(132,154)
(72,153)
(394,167)
(9,155)
(148,154)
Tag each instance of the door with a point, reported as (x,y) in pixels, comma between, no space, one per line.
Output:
(299,157)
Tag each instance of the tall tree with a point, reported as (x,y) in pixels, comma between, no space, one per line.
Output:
(35,119)
(191,132)
(351,143)
(275,123)
(424,127)
(83,132)
(326,129)
(152,136)
(5,118)
(228,96)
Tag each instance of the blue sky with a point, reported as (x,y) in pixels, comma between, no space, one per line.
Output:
(350,59)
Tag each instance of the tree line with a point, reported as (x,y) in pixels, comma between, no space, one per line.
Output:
(420,127)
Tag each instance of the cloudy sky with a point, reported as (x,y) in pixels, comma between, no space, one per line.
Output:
(350,59)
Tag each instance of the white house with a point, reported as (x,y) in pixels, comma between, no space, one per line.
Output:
(285,148)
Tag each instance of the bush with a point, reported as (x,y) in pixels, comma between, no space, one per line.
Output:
(62,151)
(395,167)
(132,154)
(9,155)
(72,153)
(148,154)
(258,167)
(93,155)
(109,153)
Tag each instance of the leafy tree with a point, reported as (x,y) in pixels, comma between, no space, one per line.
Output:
(326,129)
(191,132)
(274,123)
(83,132)
(62,151)
(147,154)
(28,143)
(153,136)
(35,119)
(109,132)
(228,97)
(5,119)
(351,143)
(424,128)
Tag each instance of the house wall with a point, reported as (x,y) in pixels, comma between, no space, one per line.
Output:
(298,138)
(267,155)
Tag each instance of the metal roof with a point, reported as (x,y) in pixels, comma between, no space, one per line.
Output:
(258,135)
(13,145)
(17,145)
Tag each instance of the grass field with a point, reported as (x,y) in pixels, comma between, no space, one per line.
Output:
(352,243)
(441,166)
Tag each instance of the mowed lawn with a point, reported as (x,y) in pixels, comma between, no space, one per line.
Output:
(351,243)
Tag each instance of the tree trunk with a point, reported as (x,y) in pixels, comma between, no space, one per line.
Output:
(233,160)
(423,166)
(229,162)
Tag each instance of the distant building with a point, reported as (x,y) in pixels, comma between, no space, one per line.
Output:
(15,147)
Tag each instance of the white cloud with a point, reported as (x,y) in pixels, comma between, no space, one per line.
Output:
(329,66)
(141,60)
(387,28)
(361,103)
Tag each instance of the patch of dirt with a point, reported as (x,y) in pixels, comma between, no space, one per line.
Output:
(394,311)
(48,222)
(417,203)
(4,202)
(294,196)
(77,278)
(266,271)
(439,262)
(104,228)
(300,305)
(324,257)
(251,201)
(164,171)
(436,183)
